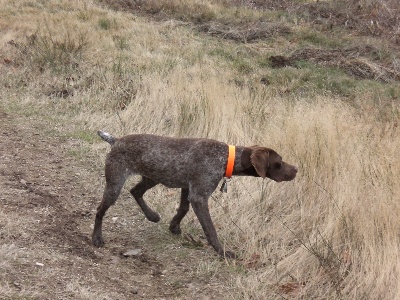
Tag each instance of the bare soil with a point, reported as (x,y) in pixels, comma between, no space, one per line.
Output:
(47,202)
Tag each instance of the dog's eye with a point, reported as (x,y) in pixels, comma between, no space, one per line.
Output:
(278,165)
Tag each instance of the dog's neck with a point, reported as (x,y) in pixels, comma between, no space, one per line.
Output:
(243,166)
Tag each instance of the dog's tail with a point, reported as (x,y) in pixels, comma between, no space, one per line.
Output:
(107,137)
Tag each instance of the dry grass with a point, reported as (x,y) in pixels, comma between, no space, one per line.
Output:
(333,233)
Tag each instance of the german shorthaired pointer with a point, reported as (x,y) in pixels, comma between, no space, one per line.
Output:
(194,165)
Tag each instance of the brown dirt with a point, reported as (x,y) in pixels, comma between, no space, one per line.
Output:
(47,204)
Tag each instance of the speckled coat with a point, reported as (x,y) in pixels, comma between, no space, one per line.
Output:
(195,165)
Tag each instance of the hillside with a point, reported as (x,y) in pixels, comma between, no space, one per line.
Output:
(318,81)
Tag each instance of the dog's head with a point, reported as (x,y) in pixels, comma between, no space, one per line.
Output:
(268,163)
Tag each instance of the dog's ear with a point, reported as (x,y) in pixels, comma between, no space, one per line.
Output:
(259,159)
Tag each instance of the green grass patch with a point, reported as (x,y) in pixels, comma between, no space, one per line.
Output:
(238,59)
(310,79)
(105,23)
(307,37)
(85,135)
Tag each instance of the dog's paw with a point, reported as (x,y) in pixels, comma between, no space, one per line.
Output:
(227,254)
(97,241)
(153,216)
(175,229)
(230,255)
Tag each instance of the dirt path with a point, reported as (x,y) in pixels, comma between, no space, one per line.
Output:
(47,204)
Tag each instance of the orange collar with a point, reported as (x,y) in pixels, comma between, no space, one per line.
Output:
(231,161)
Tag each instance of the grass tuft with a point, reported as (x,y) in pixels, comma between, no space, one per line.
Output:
(46,50)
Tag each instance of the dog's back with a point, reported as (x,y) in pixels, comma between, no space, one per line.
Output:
(170,161)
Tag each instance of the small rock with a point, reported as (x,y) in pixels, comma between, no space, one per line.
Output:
(39,264)
(114,260)
(135,290)
(156,272)
(114,219)
(23,181)
(134,252)
(99,254)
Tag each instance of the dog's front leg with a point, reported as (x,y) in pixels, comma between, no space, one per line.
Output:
(200,207)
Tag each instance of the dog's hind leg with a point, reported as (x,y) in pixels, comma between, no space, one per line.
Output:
(138,192)
(182,210)
(115,179)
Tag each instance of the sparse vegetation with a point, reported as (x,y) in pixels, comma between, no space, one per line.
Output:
(43,49)
(318,81)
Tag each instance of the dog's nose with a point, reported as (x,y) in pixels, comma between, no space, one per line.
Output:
(295,169)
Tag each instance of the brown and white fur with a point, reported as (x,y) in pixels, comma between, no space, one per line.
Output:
(196,165)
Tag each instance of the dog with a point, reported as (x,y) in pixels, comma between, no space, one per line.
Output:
(196,165)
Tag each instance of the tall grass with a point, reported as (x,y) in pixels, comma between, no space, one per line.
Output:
(332,233)
(323,227)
